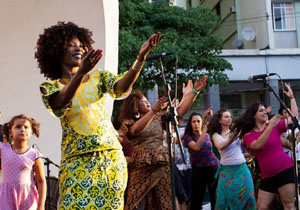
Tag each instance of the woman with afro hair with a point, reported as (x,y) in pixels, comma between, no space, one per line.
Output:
(93,172)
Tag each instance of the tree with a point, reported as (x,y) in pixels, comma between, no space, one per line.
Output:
(188,33)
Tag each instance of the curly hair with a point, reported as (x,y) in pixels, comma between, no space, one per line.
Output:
(35,125)
(51,45)
(214,125)
(189,128)
(245,123)
(129,108)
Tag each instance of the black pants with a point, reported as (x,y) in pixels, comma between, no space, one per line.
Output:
(202,177)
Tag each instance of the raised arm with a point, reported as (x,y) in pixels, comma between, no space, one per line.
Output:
(130,77)
(262,139)
(289,93)
(207,114)
(220,145)
(190,94)
(145,120)
(196,146)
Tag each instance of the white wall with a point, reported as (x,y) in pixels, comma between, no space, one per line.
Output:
(285,39)
(245,63)
(21,22)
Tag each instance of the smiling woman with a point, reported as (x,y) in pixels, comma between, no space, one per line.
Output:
(93,172)
(149,185)
(263,139)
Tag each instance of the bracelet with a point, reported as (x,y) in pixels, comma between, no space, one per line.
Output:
(291,97)
(137,65)
(195,91)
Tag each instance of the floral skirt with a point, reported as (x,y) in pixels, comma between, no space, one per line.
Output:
(92,181)
(235,188)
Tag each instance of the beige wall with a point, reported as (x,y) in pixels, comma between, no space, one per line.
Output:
(21,22)
(195,3)
(181,3)
(250,9)
(210,3)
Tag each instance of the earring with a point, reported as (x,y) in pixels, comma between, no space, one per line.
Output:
(137,115)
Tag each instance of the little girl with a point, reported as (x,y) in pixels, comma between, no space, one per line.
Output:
(19,163)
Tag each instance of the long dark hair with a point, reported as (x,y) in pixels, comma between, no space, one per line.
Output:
(189,128)
(245,123)
(129,108)
(214,125)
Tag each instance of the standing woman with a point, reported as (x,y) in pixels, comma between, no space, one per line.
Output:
(203,159)
(149,184)
(93,171)
(264,141)
(235,187)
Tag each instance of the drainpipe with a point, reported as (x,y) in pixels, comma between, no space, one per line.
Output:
(270,32)
(238,18)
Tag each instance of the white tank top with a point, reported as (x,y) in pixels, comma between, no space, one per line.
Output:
(231,155)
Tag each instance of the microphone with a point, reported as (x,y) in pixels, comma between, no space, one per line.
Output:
(260,76)
(157,56)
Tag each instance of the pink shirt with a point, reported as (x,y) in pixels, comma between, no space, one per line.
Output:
(271,157)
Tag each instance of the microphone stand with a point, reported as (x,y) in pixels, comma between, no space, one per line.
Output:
(168,119)
(295,125)
(47,164)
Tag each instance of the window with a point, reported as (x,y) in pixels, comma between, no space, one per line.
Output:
(231,101)
(283,16)
(218,9)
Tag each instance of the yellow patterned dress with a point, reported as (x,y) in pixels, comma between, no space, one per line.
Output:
(93,171)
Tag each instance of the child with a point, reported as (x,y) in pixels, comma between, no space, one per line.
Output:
(19,163)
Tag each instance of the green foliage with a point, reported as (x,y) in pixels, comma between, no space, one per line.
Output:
(188,33)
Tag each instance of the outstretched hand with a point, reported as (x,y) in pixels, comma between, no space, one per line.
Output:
(89,60)
(200,84)
(160,104)
(187,89)
(149,45)
(289,92)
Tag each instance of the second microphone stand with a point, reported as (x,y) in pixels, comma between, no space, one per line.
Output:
(170,119)
(48,198)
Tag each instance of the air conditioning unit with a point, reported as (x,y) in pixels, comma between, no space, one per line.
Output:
(232,9)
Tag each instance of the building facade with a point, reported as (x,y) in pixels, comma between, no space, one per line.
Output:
(259,37)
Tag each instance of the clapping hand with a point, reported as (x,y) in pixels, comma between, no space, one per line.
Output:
(160,104)
(89,60)
(208,112)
